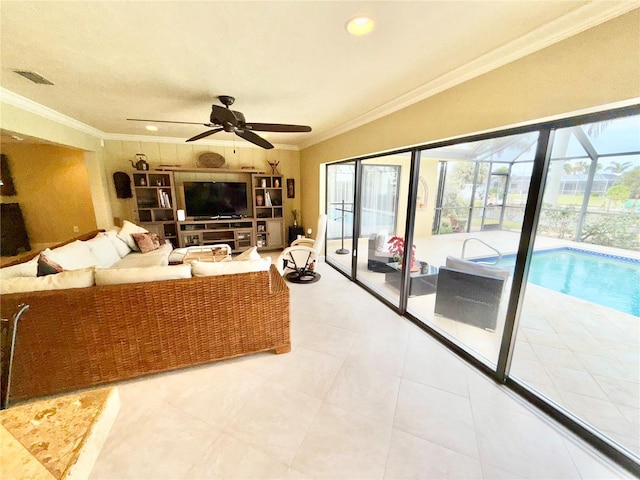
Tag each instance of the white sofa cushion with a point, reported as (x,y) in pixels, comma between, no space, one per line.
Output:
(116,276)
(27,269)
(125,234)
(72,256)
(122,248)
(154,258)
(104,250)
(206,269)
(381,245)
(70,279)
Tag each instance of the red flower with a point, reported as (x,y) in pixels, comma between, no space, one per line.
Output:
(397,248)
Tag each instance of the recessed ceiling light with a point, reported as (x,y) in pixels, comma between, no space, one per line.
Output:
(16,137)
(360,26)
(263,135)
(151,128)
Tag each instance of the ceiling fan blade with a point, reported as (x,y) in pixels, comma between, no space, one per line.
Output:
(278,127)
(204,134)
(165,121)
(253,138)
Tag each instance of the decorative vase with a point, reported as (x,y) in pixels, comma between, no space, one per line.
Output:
(277,183)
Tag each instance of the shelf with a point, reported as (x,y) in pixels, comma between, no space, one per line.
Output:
(154,198)
(210,170)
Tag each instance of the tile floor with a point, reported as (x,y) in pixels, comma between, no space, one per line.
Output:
(363,394)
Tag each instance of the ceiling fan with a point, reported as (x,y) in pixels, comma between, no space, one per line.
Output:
(223,118)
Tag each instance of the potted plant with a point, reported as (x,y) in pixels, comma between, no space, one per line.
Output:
(397,248)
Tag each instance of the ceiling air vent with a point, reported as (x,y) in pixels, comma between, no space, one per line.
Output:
(34,77)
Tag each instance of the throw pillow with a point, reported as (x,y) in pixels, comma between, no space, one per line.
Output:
(250,254)
(121,246)
(104,250)
(46,266)
(125,232)
(73,256)
(146,242)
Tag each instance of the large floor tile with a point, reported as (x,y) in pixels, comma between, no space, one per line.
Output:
(307,371)
(217,396)
(275,421)
(522,444)
(331,340)
(379,352)
(162,446)
(413,457)
(365,392)
(430,363)
(438,416)
(344,445)
(229,458)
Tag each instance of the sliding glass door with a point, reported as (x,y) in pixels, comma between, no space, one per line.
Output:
(450,289)
(341,188)
(578,338)
(382,210)
(521,251)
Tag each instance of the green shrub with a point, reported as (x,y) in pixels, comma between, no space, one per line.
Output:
(618,230)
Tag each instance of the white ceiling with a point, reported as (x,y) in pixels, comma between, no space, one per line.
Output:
(284,61)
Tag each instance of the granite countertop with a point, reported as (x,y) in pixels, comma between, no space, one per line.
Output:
(56,437)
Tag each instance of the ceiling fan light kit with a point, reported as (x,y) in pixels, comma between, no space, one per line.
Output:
(232,121)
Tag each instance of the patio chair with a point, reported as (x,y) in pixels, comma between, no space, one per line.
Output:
(469,292)
(297,262)
(378,255)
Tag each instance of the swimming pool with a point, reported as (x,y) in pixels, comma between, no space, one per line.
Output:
(608,280)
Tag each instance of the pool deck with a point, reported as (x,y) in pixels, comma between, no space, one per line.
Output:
(583,356)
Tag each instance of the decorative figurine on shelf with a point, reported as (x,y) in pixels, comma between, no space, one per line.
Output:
(276,183)
(259,200)
(295,217)
(274,167)
(141,163)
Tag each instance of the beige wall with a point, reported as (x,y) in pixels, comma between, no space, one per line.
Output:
(29,124)
(118,153)
(594,68)
(52,187)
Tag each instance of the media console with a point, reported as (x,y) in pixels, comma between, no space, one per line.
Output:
(238,233)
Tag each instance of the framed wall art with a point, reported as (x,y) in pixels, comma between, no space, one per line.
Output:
(291,188)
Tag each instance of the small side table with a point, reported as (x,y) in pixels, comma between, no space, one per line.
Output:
(294,231)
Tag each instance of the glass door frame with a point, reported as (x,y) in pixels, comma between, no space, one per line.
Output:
(532,210)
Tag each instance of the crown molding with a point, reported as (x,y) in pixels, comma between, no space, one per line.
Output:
(573,23)
(23,103)
(176,140)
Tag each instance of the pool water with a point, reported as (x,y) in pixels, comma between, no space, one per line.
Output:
(604,279)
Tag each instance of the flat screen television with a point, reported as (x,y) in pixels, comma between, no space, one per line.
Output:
(212,199)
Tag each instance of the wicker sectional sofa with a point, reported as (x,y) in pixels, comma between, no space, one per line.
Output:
(76,338)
